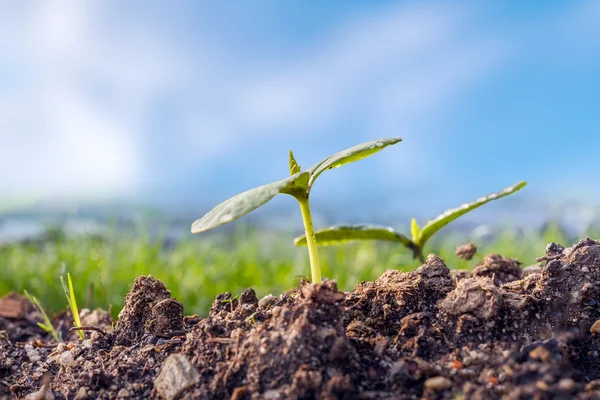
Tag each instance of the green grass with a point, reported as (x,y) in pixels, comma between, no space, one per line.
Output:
(199,268)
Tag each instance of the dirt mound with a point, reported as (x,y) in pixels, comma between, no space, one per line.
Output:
(430,333)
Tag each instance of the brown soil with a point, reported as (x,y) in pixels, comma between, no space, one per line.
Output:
(432,333)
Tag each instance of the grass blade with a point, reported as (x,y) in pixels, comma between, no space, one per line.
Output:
(47,325)
(70,293)
(348,233)
(445,218)
(350,155)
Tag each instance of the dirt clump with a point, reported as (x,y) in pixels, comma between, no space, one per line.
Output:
(500,269)
(140,312)
(431,333)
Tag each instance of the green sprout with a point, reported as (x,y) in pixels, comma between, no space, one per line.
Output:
(298,185)
(47,325)
(419,236)
(69,292)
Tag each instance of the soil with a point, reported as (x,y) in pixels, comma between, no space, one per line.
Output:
(432,333)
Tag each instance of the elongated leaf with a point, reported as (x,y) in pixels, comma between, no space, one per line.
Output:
(448,216)
(414,229)
(348,233)
(248,201)
(352,154)
(74,308)
(294,167)
(72,303)
(47,325)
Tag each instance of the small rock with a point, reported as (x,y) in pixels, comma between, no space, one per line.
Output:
(272,395)
(176,375)
(266,301)
(543,386)
(81,393)
(66,359)
(593,385)
(566,384)
(595,329)
(540,353)
(123,393)
(438,383)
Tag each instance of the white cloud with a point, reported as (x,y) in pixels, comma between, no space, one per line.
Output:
(59,137)
(78,116)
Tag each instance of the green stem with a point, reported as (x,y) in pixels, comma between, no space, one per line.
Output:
(311,240)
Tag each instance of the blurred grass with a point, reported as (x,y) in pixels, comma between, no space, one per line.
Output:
(200,267)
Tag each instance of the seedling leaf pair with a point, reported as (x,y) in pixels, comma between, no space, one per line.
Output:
(346,233)
(297,185)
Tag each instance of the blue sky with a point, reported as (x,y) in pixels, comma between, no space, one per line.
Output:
(190,102)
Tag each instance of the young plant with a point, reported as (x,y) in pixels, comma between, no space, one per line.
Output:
(419,236)
(69,292)
(298,185)
(47,325)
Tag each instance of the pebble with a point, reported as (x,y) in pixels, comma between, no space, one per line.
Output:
(271,395)
(32,354)
(438,383)
(176,375)
(595,329)
(566,384)
(66,359)
(543,386)
(265,301)
(81,393)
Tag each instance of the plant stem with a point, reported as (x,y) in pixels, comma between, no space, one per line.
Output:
(311,240)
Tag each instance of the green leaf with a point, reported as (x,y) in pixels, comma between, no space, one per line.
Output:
(414,229)
(448,216)
(294,167)
(248,201)
(350,155)
(47,325)
(70,293)
(348,233)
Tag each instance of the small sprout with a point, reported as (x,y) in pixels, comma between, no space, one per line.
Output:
(70,293)
(298,185)
(230,301)
(47,325)
(466,251)
(252,319)
(419,236)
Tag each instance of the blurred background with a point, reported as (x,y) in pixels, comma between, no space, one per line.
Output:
(113,111)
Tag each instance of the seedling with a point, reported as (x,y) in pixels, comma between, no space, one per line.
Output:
(47,325)
(230,301)
(72,304)
(298,185)
(419,236)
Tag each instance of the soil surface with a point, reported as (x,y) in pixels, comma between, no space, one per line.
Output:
(434,333)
